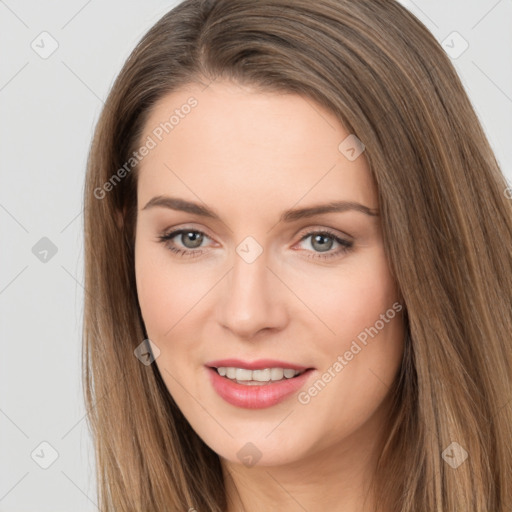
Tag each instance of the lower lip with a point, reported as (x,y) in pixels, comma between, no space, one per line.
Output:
(257,396)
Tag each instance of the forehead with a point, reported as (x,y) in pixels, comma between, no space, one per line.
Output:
(226,140)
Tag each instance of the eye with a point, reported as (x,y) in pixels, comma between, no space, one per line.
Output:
(191,240)
(323,241)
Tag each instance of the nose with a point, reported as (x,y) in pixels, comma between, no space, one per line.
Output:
(253,299)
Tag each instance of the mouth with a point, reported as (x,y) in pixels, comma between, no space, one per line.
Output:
(258,384)
(261,377)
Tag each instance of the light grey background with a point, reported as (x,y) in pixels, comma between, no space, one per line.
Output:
(49,107)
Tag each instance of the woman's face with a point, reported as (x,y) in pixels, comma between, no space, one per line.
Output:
(240,266)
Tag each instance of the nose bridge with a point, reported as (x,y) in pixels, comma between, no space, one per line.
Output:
(251,299)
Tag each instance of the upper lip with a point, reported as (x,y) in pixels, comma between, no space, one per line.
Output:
(259,364)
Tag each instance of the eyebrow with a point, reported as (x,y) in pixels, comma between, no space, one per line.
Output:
(178,204)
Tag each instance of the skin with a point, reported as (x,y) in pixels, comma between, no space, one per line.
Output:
(249,156)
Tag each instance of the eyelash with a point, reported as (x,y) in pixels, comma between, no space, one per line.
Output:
(345,245)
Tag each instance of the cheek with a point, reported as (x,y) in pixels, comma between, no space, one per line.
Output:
(154,290)
(359,361)
(349,298)
(362,358)
(358,336)
(167,297)
(166,291)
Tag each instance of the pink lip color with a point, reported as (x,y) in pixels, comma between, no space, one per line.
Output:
(259,396)
(259,364)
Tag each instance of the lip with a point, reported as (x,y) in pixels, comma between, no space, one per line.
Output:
(258,396)
(259,364)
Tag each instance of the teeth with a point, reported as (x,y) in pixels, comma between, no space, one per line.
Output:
(260,375)
(242,374)
(277,373)
(253,376)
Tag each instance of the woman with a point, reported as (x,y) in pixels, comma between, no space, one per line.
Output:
(298,266)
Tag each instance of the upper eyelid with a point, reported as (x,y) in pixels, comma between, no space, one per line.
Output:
(304,234)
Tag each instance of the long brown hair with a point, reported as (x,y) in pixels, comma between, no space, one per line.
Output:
(447,228)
